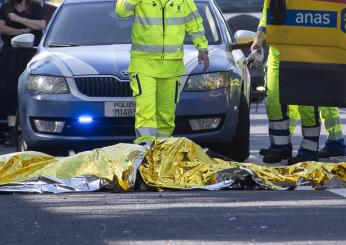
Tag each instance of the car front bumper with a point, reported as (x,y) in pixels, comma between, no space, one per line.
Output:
(222,103)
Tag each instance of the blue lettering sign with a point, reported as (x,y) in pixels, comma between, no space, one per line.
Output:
(310,18)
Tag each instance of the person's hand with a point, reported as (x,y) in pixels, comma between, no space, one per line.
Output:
(258,42)
(15,18)
(255,59)
(203,57)
(257,45)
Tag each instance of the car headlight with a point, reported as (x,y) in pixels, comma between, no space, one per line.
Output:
(207,82)
(47,84)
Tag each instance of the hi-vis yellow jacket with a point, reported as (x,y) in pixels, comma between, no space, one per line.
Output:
(312,31)
(159,27)
(311,38)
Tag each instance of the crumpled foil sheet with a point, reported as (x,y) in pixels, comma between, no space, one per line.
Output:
(112,167)
(174,163)
(178,163)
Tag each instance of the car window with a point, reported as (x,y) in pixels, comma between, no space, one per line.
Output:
(98,24)
(210,26)
(240,6)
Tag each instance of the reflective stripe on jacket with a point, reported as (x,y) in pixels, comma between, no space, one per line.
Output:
(159,28)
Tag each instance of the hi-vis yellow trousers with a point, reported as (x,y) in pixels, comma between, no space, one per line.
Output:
(330,117)
(279,121)
(156,100)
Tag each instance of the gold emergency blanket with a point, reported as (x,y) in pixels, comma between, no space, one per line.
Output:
(181,164)
(113,166)
(175,163)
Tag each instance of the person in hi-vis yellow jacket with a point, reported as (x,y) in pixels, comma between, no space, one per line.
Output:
(279,117)
(279,131)
(156,64)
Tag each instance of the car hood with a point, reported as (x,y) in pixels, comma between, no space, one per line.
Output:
(110,60)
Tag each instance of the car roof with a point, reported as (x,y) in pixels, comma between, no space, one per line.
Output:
(90,1)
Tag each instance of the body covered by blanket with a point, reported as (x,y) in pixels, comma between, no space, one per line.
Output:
(174,163)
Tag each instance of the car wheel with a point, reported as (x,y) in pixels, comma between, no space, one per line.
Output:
(238,150)
(21,144)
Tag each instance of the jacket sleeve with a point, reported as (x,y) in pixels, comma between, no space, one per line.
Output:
(125,8)
(194,26)
(263,22)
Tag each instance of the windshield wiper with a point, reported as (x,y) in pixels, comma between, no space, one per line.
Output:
(58,45)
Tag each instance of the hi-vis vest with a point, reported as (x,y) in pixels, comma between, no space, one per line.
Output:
(311,38)
(159,27)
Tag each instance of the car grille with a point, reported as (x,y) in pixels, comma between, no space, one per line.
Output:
(103,87)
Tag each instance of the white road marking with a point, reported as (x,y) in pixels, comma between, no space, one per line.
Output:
(339,191)
(75,208)
(212,242)
(304,188)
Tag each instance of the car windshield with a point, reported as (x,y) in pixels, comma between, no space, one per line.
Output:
(90,24)
(240,6)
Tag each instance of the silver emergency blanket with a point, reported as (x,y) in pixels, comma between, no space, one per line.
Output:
(174,163)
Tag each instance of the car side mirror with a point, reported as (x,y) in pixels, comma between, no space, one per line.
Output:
(243,39)
(23,41)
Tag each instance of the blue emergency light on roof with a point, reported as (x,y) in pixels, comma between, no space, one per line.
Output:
(85,119)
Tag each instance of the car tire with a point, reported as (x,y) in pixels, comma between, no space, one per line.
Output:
(238,150)
(22,146)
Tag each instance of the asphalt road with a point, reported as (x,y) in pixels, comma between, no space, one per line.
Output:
(293,217)
(194,217)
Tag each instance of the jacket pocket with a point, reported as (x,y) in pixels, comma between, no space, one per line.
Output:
(135,85)
(175,9)
(177,92)
(148,8)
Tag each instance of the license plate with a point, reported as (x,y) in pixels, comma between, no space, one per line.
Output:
(120,109)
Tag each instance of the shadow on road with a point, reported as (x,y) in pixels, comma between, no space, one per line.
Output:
(103,218)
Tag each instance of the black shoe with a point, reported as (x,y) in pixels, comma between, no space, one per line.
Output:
(327,152)
(276,156)
(12,137)
(302,158)
(264,151)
